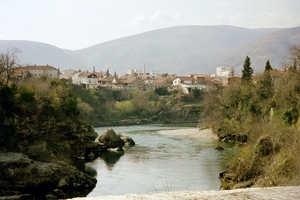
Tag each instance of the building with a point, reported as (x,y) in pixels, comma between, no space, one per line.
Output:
(163,82)
(224,72)
(43,71)
(131,83)
(179,80)
(67,74)
(106,81)
(89,79)
(187,83)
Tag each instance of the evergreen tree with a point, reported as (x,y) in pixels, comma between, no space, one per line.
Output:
(265,85)
(268,66)
(247,70)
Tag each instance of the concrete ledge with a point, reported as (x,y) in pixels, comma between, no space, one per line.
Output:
(278,193)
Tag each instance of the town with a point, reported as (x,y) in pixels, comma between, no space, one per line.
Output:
(133,79)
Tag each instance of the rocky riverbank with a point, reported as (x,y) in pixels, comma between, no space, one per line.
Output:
(47,167)
(20,174)
(53,167)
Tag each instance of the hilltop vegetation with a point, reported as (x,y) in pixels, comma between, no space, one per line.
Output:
(262,112)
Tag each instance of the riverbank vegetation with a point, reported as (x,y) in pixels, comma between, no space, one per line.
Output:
(102,107)
(41,136)
(262,113)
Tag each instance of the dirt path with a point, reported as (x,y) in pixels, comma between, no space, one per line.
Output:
(276,193)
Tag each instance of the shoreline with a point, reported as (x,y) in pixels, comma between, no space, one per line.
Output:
(194,133)
(279,193)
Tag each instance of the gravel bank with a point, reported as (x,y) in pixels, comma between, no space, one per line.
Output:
(191,132)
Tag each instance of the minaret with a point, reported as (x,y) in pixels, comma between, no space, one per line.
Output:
(144,69)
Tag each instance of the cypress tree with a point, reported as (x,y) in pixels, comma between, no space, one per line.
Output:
(268,66)
(247,71)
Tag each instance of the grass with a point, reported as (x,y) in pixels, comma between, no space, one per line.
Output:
(167,187)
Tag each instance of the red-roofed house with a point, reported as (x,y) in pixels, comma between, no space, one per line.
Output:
(131,83)
(89,79)
(186,83)
(163,82)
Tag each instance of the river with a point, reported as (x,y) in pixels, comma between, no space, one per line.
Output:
(158,163)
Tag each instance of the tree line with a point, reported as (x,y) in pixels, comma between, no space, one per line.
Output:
(261,112)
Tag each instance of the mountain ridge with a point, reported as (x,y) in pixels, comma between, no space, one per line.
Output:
(180,50)
(273,47)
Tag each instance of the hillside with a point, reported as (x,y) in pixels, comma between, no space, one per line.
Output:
(181,50)
(273,46)
(42,54)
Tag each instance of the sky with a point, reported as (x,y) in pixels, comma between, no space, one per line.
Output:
(77,24)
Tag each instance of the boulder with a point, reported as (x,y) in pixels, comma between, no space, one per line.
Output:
(111,139)
(220,148)
(127,140)
(20,173)
(55,194)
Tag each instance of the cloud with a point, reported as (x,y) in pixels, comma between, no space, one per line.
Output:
(264,19)
(239,18)
(219,17)
(272,19)
(224,3)
(158,19)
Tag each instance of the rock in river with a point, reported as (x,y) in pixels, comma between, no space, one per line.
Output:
(111,139)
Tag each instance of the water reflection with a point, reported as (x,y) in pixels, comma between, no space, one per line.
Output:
(111,158)
(90,171)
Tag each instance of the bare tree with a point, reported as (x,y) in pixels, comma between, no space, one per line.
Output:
(8,63)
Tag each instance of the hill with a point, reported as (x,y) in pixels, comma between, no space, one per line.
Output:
(273,47)
(40,53)
(180,50)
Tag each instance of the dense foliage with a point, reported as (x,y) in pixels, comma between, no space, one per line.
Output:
(121,107)
(31,106)
(263,115)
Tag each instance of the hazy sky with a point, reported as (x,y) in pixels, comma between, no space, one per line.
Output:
(76,24)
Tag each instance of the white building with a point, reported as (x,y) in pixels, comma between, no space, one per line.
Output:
(89,79)
(142,74)
(187,83)
(43,71)
(224,72)
(67,74)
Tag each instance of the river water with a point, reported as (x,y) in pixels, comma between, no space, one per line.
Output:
(158,163)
